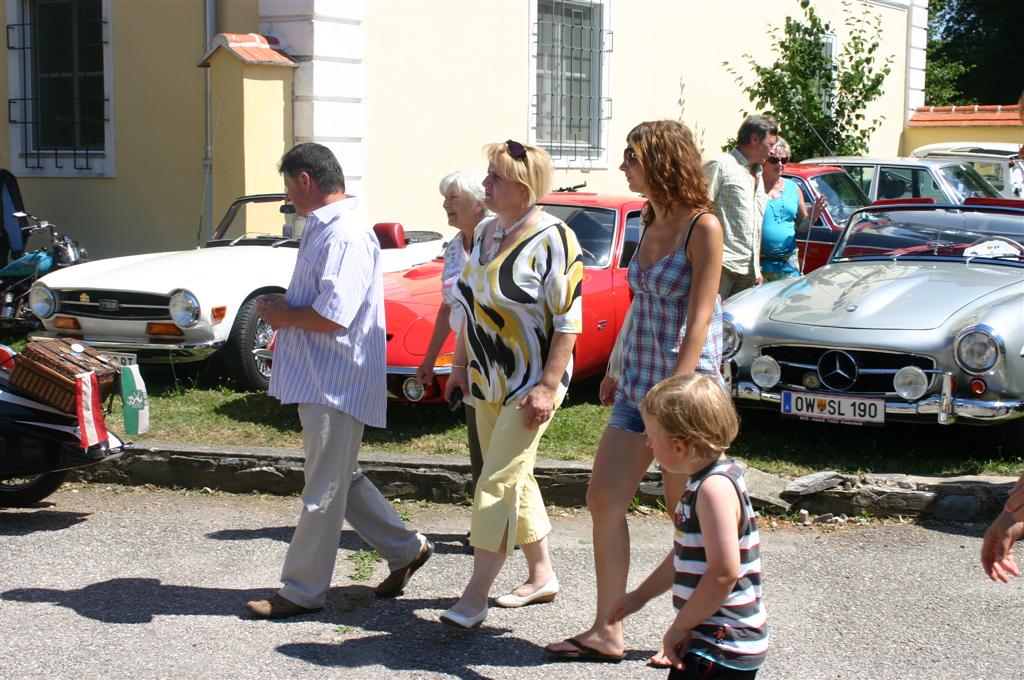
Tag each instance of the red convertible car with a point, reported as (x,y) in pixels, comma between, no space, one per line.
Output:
(608,230)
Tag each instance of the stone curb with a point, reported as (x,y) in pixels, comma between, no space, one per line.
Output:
(447,479)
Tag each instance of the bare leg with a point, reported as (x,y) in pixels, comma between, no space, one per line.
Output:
(622,459)
(486,566)
(538,560)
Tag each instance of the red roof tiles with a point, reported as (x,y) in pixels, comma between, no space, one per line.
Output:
(997,115)
(251,48)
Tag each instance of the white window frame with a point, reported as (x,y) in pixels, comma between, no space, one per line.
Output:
(601,160)
(22,161)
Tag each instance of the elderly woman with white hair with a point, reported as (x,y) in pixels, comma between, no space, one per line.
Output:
(463,192)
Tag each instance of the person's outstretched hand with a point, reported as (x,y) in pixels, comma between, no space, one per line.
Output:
(997,548)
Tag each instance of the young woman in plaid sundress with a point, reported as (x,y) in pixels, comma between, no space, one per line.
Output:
(676,328)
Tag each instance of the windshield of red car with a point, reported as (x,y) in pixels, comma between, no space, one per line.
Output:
(842,195)
(594,229)
(938,233)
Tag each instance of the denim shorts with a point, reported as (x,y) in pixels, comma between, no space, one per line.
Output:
(626,417)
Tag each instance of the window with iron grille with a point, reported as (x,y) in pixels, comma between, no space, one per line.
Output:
(59,85)
(570,106)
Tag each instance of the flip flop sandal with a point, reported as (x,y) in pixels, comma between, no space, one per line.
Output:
(583,652)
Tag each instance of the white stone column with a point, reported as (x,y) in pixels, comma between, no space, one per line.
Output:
(917,51)
(327,38)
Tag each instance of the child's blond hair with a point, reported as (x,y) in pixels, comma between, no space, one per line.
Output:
(694,408)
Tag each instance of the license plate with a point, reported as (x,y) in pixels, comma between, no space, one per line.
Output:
(120,358)
(832,408)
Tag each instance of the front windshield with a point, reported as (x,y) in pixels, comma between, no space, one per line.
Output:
(259,218)
(842,195)
(594,229)
(966,181)
(957,234)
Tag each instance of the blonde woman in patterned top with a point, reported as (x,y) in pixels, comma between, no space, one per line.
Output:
(520,292)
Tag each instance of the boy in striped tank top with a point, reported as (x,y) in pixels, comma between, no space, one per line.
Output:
(714,568)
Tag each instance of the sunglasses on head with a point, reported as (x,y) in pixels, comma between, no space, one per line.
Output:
(516,150)
(774,160)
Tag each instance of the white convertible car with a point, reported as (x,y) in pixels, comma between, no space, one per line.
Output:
(187,305)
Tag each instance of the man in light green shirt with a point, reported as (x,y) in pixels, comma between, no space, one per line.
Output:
(736,189)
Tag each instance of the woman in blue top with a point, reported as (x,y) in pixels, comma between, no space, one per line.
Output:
(779,257)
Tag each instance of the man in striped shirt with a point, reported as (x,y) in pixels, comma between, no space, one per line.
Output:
(330,359)
(736,189)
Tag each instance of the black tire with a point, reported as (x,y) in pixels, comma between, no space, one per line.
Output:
(24,491)
(249,332)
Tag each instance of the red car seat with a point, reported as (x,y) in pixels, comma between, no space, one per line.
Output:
(390,234)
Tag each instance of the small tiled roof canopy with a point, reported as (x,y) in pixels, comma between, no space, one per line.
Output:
(999,115)
(251,48)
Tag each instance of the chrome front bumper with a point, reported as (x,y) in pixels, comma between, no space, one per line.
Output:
(944,407)
(149,352)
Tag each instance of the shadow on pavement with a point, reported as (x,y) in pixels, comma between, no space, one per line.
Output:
(444,544)
(21,523)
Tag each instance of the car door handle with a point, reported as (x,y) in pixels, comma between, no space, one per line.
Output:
(601,324)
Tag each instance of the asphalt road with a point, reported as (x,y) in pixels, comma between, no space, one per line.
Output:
(110,582)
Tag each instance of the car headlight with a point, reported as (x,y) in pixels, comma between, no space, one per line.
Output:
(910,382)
(765,372)
(732,336)
(977,349)
(184,308)
(413,389)
(43,301)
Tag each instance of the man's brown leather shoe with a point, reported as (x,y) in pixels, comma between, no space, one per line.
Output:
(276,607)
(396,581)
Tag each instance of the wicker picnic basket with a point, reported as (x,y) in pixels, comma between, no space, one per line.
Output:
(46,370)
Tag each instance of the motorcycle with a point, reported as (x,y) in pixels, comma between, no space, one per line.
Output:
(39,445)
(17,277)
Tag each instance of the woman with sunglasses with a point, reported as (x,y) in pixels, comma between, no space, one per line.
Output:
(779,256)
(676,327)
(520,293)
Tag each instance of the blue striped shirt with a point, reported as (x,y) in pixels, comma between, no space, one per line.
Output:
(338,274)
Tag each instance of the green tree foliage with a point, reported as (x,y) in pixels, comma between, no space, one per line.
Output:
(819,100)
(942,76)
(983,38)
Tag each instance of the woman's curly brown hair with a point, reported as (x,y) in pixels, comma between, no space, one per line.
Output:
(672,165)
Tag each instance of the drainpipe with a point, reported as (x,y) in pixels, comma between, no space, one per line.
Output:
(209,30)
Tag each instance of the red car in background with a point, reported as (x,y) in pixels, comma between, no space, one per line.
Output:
(843,197)
(608,230)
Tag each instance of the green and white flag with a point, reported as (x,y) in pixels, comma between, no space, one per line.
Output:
(136,401)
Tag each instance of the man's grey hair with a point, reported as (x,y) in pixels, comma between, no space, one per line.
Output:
(467,181)
(756,126)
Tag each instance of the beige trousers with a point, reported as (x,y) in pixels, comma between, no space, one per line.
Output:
(334,491)
(507,495)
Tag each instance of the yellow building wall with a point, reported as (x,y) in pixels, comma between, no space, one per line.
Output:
(914,137)
(238,16)
(156,198)
(267,91)
(432,104)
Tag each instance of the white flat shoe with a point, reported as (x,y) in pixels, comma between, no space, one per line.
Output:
(546,593)
(460,621)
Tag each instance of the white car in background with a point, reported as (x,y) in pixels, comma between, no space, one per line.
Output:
(995,161)
(947,181)
(185,306)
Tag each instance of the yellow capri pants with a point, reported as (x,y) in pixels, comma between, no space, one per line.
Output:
(507,494)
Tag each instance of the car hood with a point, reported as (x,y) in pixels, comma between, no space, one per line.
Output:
(411,301)
(898,295)
(163,273)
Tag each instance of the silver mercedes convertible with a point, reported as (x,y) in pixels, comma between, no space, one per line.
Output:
(917,316)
